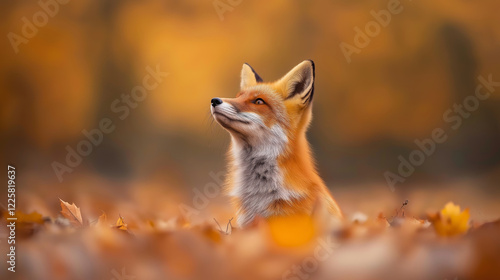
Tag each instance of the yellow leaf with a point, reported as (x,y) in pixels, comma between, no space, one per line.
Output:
(72,213)
(451,221)
(34,217)
(292,231)
(120,224)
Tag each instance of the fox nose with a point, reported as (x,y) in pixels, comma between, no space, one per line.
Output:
(216,101)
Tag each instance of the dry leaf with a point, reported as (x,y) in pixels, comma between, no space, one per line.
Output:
(120,224)
(450,220)
(72,213)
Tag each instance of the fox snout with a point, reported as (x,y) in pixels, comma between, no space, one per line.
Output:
(215,101)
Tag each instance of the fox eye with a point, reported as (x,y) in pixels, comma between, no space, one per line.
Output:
(259,101)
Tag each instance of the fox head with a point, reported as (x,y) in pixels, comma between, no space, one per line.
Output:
(268,113)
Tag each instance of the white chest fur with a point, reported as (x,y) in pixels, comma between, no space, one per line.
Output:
(258,180)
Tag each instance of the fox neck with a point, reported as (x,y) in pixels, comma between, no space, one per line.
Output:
(258,178)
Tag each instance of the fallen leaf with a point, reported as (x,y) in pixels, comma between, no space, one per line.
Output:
(381,219)
(450,220)
(120,224)
(72,213)
(33,217)
(26,224)
(292,231)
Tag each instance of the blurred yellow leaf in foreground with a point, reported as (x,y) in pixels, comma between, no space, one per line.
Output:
(292,231)
(34,217)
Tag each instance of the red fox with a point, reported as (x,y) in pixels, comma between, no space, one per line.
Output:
(271,171)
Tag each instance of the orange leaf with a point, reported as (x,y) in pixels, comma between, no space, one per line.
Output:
(72,213)
(120,224)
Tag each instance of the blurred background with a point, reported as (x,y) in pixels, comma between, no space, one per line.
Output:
(61,74)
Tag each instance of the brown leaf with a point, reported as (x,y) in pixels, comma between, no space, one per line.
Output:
(72,213)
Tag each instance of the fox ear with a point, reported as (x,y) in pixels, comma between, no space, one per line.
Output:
(249,77)
(299,82)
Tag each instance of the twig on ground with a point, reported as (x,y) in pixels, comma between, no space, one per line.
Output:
(229,224)
(228,227)
(220,229)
